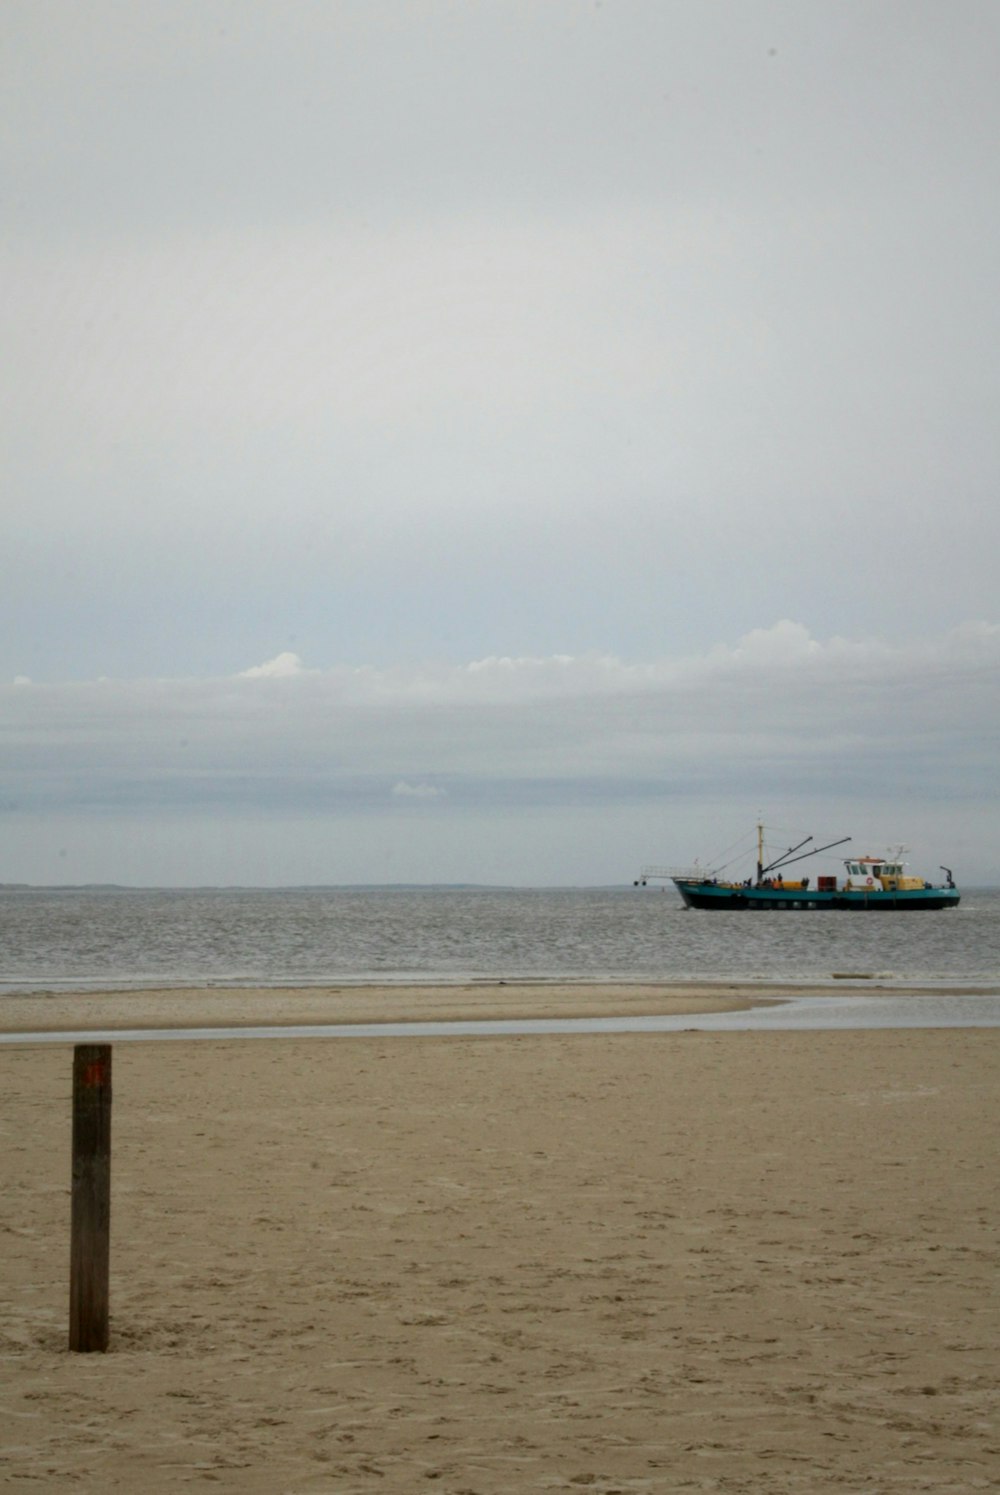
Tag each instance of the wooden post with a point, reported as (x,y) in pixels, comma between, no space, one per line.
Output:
(90,1227)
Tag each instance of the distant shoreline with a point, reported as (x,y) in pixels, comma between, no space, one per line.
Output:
(369,887)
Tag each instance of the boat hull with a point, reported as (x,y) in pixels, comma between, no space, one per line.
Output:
(724,898)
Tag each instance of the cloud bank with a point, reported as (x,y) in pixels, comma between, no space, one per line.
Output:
(780,719)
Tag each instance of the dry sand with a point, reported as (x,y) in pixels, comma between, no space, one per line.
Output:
(743,1262)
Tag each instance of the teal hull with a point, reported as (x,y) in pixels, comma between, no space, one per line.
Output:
(723,898)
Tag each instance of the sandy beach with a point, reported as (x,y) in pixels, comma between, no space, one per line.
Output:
(742,1262)
(253,1006)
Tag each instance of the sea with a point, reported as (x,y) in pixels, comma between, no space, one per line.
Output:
(111,938)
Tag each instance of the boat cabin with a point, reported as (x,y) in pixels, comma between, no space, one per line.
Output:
(884,872)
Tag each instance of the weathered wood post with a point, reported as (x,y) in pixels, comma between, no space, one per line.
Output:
(90,1226)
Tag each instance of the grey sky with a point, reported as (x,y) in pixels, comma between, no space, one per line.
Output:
(401,337)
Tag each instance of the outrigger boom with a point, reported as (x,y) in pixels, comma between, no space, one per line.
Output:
(786,859)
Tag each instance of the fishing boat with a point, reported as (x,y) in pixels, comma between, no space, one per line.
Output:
(870,883)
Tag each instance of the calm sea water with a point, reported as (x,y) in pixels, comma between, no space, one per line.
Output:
(87,938)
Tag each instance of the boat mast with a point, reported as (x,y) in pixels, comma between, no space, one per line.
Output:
(760,853)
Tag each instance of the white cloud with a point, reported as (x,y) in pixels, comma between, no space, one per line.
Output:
(281,667)
(783,643)
(403,790)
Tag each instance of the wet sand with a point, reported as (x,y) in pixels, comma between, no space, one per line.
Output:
(746,1262)
(212,1007)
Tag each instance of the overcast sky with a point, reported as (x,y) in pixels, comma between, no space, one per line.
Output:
(496,441)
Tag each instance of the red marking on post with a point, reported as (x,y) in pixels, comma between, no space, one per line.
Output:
(95,1074)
